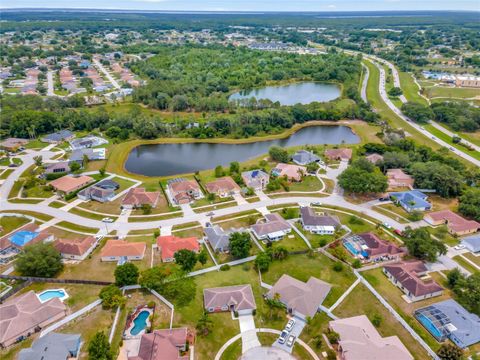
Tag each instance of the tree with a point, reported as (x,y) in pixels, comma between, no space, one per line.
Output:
(38,160)
(186,259)
(312,167)
(333,336)
(219,171)
(234,167)
(377,320)
(421,245)
(262,261)
(202,257)
(204,324)
(449,352)
(438,176)
(395,160)
(85,160)
(278,154)
(179,103)
(395,92)
(99,347)
(417,112)
(146,209)
(102,172)
(111,297)
(453,277)
(240,244)
(470,203)
(279,253)
(40,260)
(467,290)
(356,179)
(75,166)
(126,274)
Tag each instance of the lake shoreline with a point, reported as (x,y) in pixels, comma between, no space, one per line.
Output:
(117,163)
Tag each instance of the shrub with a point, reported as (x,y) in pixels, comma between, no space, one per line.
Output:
(338,266)
(225,267)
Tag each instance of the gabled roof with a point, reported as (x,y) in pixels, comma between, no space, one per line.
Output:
(377,246)
(217,237)
(289,170)
(138,196)
(304,157)
(170,244)
(473,242)
(408,274)
(162,344)
(76,247)
(21,313)
(123,248)
(52,346)
(454,222)
(274,222)
(304,298)
(310,218)
(225,184)
(360,340)
(241,296)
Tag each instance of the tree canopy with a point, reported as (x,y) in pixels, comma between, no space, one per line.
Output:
(362,177)
(421,245)
(126,274)
(41,260)
(240,244)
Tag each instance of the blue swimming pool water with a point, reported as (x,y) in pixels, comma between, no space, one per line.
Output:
(429,326)
(140,322)
(351,248)
(22,238)
(50,294)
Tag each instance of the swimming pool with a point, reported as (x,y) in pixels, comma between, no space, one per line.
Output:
(22,238)
(351,248)
(425,321)
(140,322)
(53,293)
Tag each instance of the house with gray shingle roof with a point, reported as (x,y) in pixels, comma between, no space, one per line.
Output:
(58,136)
(218,238)
(318,224)
(53,346)
(472,243)
(304,157)
(274,228)
(230,298)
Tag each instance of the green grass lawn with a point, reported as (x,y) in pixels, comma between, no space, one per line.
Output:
(292,242)
(87,214)
(441,135)
(36,144)
(308,183)
(10,223)
(77,227)
(382,209)
(473,258)
(37,215)
(410,89)
(465,264)
(57,204)
(441,232)
(362,302)
(124,184)
(451,92)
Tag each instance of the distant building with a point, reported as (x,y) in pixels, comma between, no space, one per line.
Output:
(57,137)
(230,298)
(256,179)
(467,81)
(370,247)
(339,154)
(292,172)
(223,187)
(410,277)
(58,167)
(87,142)
(102,191)
(13,144)
(168,245)
(183,191)
(91,154)
(456,224)
(318,224)
(413,200)
(374,158)
(397,178)
(360,340)
(304,157)
(53,346)
(273,229)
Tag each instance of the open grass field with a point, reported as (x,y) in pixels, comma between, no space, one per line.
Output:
(441,135)
(410,89)
(451,92)
(465,264)
(473,258)
(77,227)
(10,223)
(37,215)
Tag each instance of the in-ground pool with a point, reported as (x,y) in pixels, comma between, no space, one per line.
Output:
(430,326)
(53,293)
(140,322)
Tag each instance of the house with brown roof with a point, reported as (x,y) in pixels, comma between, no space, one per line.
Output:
(230,298)
(456,224)
(168,245)
(339,154)
(164,344)
(24,315)
(273,228)
(183,191)
(13,144)
(396,178)
(374,158)
(370,247)
(76,249)
(68,184)
(292,172)
(360,340)
(116,250)
(223,187)
(136,197)
(411,277)
(301,299)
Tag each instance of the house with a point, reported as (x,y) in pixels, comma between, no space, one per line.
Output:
(58,167)
(169,245)
(164,344)
(412,200)
(218,238)
(273,229)
(53,346)
(304,157)
(255,179)
(183,191)
(25,315)
(223,187)
(102,191)
(374,158)
(456,224)
(68,184)
(301,299)
(339,154)
(449,320)
(91,154)
(13,144)
(237,298)
(370,247)
(472,243)
(58,137)
(117,250)
(360,340)
(136,197)
(76,249)
(318,224)
(397,178)
(411,277)
(87,142)
(292,172)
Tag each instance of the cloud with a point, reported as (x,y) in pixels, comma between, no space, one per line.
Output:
(331,6)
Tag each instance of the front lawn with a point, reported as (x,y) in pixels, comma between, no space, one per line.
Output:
(10,223)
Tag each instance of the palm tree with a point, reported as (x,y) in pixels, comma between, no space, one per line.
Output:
(204,324)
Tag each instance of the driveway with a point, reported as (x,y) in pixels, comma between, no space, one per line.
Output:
(266,353)
(249,334)
(296,331)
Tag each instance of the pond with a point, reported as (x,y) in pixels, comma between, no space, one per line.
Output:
(303,93)
(183,158)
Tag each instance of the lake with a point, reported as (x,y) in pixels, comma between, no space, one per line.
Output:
(182,158)
(303,93)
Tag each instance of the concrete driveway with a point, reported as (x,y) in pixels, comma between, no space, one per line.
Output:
(296,331)
(249,334)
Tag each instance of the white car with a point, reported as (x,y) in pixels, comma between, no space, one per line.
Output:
(459,247)
(107,220)
(283,337)
(318,203)
(290,325)
(290,341)
(387,225)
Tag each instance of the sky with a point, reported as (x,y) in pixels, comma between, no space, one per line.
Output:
(250,5)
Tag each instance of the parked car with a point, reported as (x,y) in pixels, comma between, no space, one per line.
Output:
(384,199)
(290,341)
(107,220)
(459,247)
(398,232)
(283,337)
(290,325)
(318,203)
(387,225)
(12,165)
(99,237)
